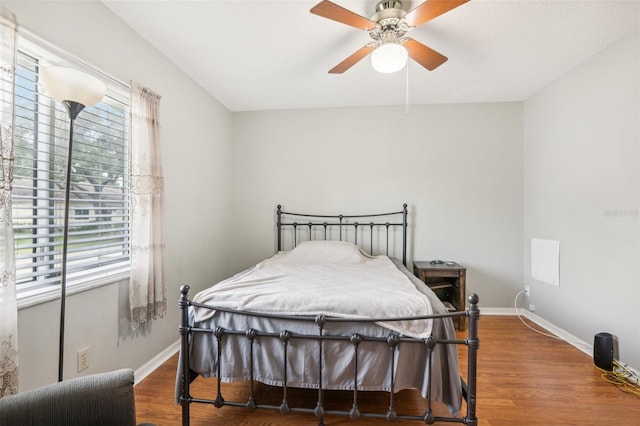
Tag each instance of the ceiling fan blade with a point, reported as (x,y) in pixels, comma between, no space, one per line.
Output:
(352,60)
(332,11)
(430,9)
(425,56)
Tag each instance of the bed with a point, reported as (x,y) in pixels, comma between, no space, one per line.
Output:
(335,309)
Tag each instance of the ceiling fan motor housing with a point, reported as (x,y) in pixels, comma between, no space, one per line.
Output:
(389,19)
(382,5)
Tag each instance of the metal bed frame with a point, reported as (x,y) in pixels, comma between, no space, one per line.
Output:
(327,225)
(343,223)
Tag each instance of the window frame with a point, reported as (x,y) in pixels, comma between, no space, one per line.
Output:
(118,95)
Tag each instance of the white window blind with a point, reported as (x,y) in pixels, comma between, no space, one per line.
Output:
(99,200)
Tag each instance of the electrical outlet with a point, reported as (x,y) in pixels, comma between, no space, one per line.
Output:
(83,359)
(527,291)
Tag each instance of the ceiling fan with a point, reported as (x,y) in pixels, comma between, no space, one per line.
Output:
(387,27)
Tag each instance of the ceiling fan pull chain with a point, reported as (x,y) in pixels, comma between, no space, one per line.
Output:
(406,90)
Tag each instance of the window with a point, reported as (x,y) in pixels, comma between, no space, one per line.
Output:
(82,213)
(99,200)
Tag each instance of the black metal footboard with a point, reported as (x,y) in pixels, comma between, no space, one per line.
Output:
(392,342)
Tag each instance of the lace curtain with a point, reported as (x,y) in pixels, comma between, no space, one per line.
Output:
(8,306)
(147,292)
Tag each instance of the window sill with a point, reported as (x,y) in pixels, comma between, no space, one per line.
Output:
(47,294)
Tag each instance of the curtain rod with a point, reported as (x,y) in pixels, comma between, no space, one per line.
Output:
(40,42)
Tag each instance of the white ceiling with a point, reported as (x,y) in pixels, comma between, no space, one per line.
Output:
(267,54)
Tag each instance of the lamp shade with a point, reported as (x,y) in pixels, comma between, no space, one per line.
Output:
(67,84)
(388,58)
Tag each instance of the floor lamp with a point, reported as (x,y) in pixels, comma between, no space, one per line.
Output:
(75,90)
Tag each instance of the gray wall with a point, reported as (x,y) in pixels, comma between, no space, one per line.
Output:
(458,167)
(581,187)
(196,143)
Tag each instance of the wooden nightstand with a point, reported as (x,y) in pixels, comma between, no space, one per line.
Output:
(447,280)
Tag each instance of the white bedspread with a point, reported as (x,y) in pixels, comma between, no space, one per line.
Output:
(324,277)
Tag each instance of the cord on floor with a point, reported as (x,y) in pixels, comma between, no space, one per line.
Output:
(553,336)
(623,378)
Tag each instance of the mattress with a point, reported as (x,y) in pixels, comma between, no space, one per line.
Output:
(303,355)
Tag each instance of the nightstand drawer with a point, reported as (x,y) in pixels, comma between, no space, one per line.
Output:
(440,273)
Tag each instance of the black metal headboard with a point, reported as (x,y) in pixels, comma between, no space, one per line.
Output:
(347,227)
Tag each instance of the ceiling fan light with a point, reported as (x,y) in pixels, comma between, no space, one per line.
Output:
(389,58)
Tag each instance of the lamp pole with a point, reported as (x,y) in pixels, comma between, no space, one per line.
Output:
(75,90)
(73,109)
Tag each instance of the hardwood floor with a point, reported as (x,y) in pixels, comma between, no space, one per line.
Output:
(527,380)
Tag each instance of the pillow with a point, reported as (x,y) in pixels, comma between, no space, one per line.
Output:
(337,252)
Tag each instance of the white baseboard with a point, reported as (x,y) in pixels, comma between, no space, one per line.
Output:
(569,338)
(574,341)
(156,362)
(497,311)
(564,335)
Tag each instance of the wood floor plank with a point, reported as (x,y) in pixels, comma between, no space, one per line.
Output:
(524,378)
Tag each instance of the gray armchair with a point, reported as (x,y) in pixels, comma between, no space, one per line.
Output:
(105,399)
